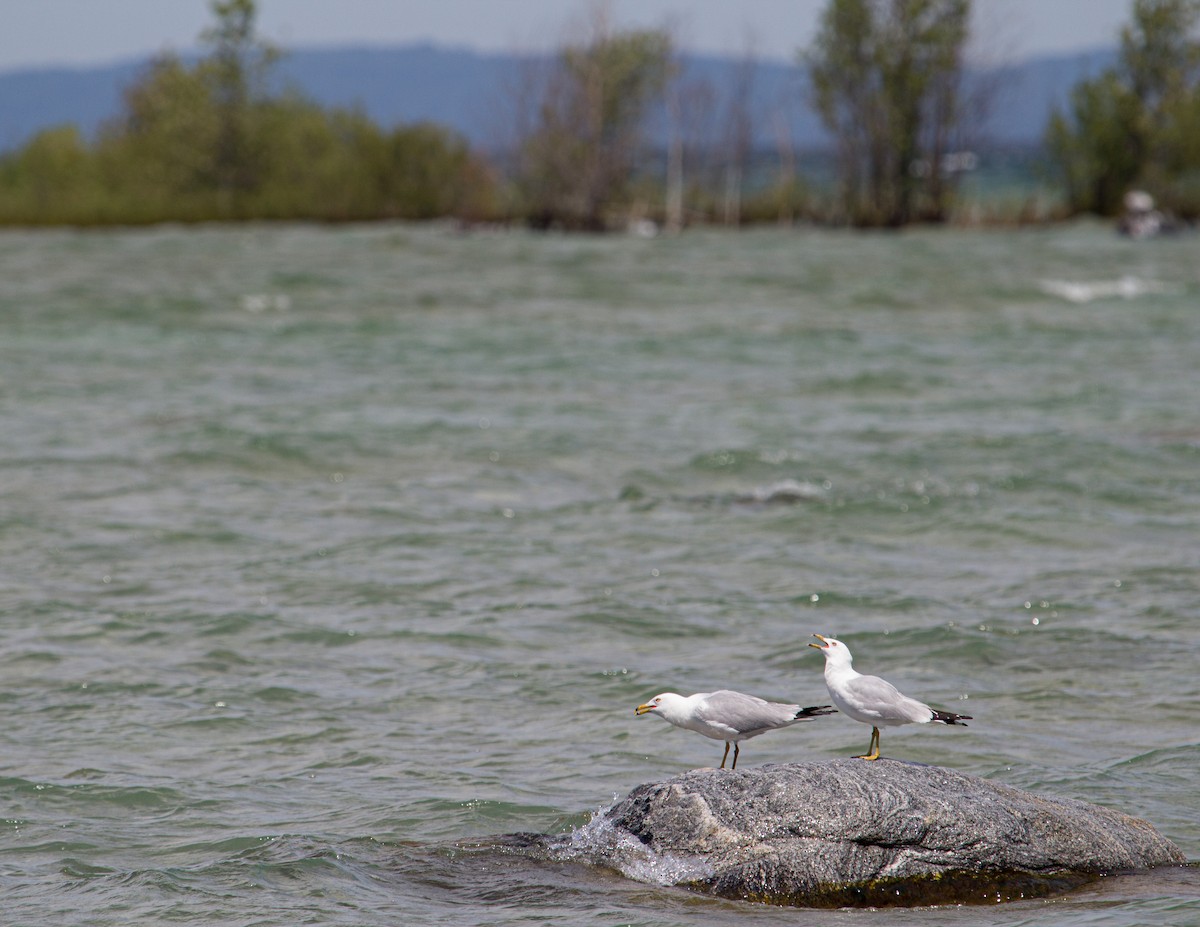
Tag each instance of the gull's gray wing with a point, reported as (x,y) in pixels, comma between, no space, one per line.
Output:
(745,714)
(870,693)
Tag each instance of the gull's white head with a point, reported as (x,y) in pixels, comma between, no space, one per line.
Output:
(664,705)
(836,653)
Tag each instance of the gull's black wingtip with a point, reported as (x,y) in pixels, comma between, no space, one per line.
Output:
(815,711)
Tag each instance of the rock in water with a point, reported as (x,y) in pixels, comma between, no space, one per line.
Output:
(854,833)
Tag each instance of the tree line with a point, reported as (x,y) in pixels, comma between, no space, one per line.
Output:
(213,140)
(210,142)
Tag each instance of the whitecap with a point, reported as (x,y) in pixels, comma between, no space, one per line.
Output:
(264,302)
(1082,291)
(787,491)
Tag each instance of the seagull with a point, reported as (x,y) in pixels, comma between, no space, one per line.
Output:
(727,715)
(872,700)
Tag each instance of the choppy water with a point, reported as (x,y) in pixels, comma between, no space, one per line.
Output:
(328,553)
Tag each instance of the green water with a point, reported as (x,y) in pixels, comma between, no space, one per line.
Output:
(328,552)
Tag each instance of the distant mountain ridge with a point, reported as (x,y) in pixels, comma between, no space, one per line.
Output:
(469,91)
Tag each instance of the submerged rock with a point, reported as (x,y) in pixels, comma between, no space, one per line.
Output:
(855,833)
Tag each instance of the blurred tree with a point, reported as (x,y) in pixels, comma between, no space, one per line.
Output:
(195,134)
(428,170)
(53,171)
(1137,123)
(692,146)
(236,74)
(164,143)
(577,159)
(739,136)
(886,77)
(1097,151)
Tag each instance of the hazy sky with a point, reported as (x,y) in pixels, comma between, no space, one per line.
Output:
(55,32)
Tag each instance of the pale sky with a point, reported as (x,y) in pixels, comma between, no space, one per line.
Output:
(84,32)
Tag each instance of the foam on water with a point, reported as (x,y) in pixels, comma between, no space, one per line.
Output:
(599,840)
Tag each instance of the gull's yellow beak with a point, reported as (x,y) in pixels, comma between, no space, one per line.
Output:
(642,709)
(820,645)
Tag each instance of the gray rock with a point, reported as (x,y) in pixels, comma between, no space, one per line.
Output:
(851,832)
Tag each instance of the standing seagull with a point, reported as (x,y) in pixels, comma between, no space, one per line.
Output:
(727,715)
(872,700)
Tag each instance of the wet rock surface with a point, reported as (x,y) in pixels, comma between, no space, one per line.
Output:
(849,832)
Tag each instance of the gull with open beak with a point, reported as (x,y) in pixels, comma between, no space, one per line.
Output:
(872,700)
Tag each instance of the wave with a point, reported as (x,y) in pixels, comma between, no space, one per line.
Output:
(600,843)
